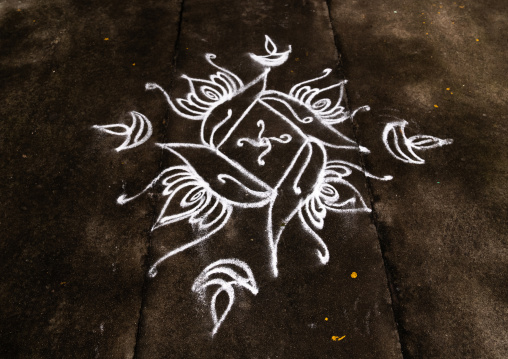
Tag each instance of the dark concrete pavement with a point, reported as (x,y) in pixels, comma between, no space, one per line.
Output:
(298,313)
(429,261)
(71,276)
(442,225)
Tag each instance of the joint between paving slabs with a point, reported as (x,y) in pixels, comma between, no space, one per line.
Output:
(374,216)
(165,125)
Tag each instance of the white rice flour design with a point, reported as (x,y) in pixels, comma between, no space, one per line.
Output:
(402,148)
(263,141)
(259,148)
(223,275)
(139,123)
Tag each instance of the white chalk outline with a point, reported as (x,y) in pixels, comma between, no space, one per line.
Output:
(402,147)
(262,141)
(214,275)
(310,117)
(139,121)
(199,103)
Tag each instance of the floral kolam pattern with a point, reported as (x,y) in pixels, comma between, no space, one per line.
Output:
(306,187)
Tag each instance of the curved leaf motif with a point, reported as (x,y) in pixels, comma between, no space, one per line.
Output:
(226,274)
(402,148)
(228,179)
(290,109)
(140,124)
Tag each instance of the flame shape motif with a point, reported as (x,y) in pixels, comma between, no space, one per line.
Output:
(402,148)
(324,108)
(140,123)
(226,274)
(273,58)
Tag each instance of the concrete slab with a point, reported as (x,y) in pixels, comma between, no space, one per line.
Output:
(442,225)
(74,263)
(71,259)
(309,310)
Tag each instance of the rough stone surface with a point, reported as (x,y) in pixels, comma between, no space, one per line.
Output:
(296,314)
(71,259)
(442,225)
(430,259)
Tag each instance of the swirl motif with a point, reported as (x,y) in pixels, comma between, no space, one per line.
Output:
(324,107)
(204,95)
(264,141)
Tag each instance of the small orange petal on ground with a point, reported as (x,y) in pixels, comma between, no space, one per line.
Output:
(336,338)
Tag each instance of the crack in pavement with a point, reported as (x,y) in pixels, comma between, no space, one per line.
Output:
(148,256)
(396,310)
